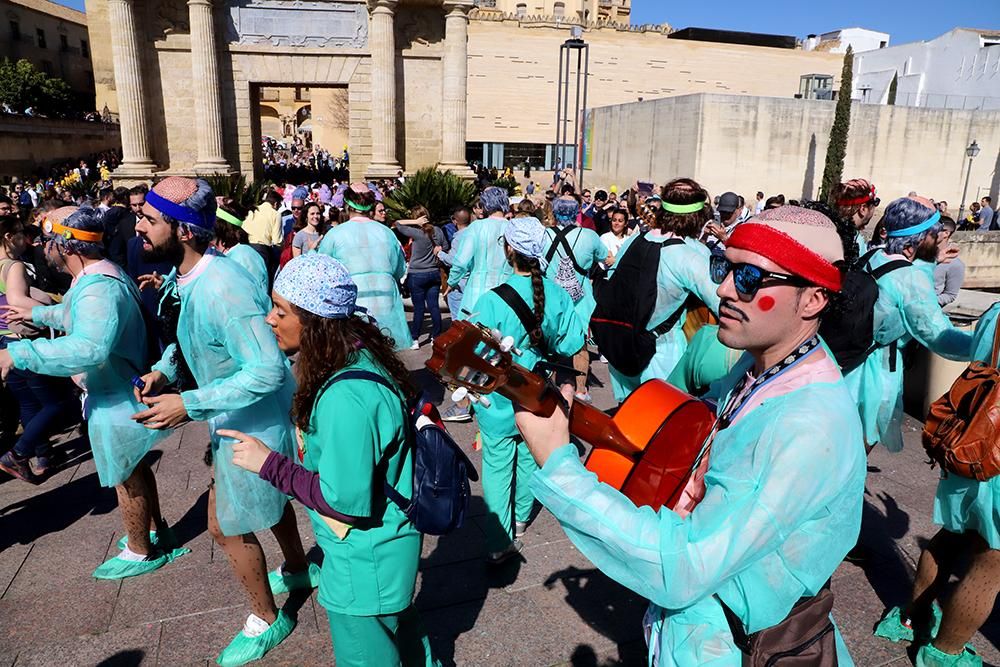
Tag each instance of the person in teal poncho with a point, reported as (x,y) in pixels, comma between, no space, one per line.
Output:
(478,257)
(775,503)
(683,272)
(243,382)
(556,332)
(371,549)
(857,202)
(372,254)
(103,349)
(233,242)
(907,309)
(585,251)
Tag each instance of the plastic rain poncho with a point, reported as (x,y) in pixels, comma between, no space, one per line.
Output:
(372,254)
(588,250)
(907,309)
(250,260)
(966,504)
(244,383)
(782,506)
(479,256)
(105,342)
(683,270)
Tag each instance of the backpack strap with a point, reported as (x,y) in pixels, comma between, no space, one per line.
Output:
(517,303)
(669,323)
(877,273)
(561,239)
(889,267)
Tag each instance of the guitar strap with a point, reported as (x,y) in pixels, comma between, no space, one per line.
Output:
(516,303)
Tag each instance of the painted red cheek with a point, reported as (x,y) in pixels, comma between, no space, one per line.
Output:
(766,303)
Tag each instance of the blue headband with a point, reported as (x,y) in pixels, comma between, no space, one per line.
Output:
(204,219)
(917,228)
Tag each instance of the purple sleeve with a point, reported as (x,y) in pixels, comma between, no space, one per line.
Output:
(290,478)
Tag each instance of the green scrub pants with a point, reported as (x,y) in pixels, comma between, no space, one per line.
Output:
(392,640)
(507,468)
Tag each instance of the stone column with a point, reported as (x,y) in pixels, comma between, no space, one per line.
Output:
(382,42)
(454,88)
(137,162)
(205,84)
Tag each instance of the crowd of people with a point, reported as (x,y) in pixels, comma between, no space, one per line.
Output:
(164,304)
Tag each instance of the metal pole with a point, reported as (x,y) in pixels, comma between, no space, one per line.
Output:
(576,119)
(586,80)
(965,191)
(559,101)
(565,115)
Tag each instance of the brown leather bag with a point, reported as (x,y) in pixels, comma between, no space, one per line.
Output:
(806,638)
(962,430)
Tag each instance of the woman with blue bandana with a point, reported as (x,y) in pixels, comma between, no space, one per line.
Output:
(556,331)
(370,548)
(375,260)
(103,349)
(907,309)
(243,382)
(683,272)
(478,257)
(572,252)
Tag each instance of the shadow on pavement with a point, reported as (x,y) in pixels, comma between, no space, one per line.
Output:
(123,659)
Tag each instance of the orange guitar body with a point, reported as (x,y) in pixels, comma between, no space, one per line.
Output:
(670,428)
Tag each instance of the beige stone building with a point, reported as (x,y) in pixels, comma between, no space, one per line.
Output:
(585,10)
(53,38)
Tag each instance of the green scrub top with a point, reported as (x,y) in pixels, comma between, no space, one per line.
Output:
(705,361)
(355,426)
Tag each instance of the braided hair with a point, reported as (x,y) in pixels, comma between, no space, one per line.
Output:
(530,265)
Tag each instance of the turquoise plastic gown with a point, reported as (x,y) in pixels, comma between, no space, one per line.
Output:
(505,491)
(907,309)
(588,249)
(963,504)
(683,270)
(250,260)
(372,254)
(105,341)
(782,507)
(244,383)
(480,258)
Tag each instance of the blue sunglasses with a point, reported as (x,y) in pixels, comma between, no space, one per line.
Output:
(747,278)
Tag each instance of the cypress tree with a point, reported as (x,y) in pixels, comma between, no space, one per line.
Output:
(836,150)
(892,88)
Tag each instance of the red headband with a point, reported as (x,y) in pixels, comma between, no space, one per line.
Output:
(785,251)
(859,200)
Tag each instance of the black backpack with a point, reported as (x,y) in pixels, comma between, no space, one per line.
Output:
(849,333)
(625,303)
(441,470)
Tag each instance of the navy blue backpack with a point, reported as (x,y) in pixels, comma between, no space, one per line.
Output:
(441,470)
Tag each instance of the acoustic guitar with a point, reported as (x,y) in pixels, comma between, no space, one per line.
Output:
(647,450)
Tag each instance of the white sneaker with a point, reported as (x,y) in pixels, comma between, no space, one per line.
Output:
(511,550)
(520,528)
(415,346)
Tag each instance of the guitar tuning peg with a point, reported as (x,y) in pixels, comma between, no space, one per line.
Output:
(496,334)
(507,343)
(484,401)
(474,398)
(459,395)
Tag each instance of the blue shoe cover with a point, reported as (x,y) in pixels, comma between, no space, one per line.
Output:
(245,649)
(891,626)
(286,583)
(928,656)
(119,568)
(169,541)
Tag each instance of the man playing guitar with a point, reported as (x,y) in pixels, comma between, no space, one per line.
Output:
(774,503)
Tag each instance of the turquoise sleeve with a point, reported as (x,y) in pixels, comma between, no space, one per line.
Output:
(462,258)
(927,323)
(676,562)
(571,333)
(398,259)
(49,316)
(983,337)
(697,279)
(94,313)
(600,250)
(166,363)
(248,340)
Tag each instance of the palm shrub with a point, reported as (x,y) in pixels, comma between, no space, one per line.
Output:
(439,192)
(246,194)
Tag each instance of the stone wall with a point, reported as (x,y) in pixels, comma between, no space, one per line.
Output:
(514,67)
(745,144)
(981,254)
(27,144)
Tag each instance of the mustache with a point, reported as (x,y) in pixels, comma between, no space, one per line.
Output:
(727,304)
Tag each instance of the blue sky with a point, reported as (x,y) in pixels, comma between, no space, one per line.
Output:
(904,20)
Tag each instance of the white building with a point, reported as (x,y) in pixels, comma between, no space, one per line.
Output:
(958,70)
(837,41)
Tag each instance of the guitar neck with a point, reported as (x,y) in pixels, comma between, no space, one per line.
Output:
(586,422)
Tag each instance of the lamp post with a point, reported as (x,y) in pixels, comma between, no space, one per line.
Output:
(972,151)
(563,118)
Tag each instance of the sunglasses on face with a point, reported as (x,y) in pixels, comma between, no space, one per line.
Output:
(748,278)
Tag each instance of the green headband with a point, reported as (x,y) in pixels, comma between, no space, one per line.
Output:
(683,208)
(226,216)
(358,207)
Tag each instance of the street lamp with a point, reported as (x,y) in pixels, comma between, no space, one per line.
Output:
(972,151)
(563,117)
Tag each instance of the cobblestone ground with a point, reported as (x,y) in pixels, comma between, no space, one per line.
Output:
(552,608)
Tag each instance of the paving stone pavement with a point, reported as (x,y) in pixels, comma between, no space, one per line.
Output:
(552,608)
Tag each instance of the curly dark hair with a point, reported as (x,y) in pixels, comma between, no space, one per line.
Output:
(685,191)
(327,346)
